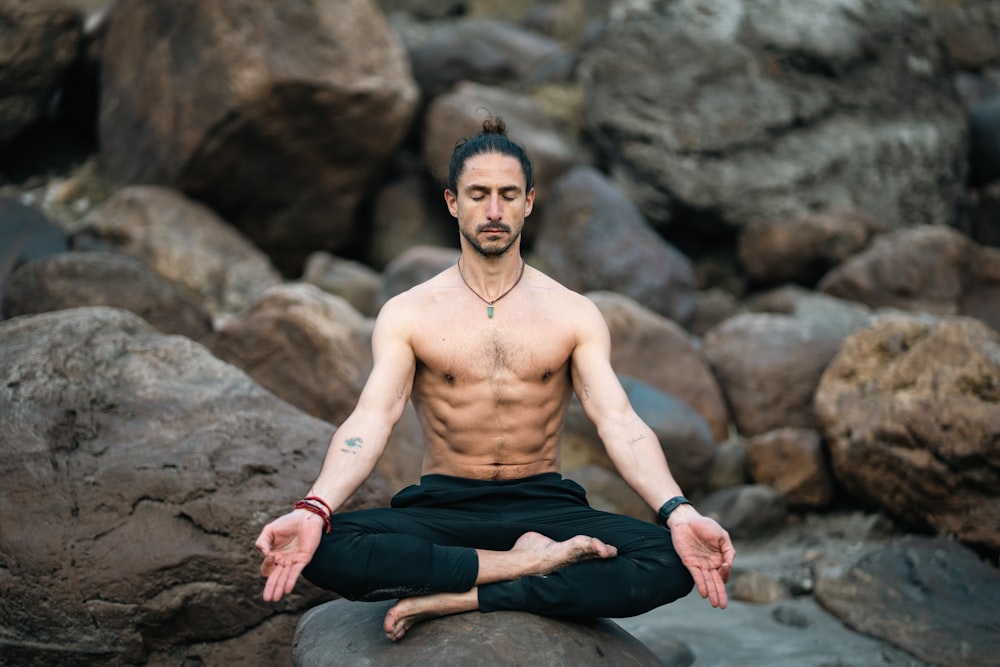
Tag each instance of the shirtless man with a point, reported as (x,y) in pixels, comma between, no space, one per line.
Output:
(490,351)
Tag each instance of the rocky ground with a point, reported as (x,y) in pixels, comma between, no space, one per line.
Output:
(788,632)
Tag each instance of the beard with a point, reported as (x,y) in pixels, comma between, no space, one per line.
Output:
(492,250)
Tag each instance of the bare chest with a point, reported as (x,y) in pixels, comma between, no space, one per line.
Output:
(522,343)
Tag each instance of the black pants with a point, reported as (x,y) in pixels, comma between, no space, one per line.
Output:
(426,544)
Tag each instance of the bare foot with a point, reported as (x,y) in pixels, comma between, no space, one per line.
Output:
(409,611)
(546,555)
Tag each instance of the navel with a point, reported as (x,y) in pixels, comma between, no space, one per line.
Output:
(449,378)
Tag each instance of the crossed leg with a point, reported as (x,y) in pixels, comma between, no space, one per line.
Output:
(532,555)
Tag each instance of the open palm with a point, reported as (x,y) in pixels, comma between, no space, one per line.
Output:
(707,552)
(288,544)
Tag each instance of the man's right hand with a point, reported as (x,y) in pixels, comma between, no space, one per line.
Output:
(288,544)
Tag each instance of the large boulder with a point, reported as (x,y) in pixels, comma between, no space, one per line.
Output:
(593,238)
(753,112)
(656,350)
(347,634)
(931,597)
(278,115)
(39,42)
(138,470)
(185,243)
(911,411)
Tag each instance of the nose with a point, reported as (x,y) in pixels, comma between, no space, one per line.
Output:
(494,212)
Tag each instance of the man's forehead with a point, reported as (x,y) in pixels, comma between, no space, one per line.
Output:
(492,170)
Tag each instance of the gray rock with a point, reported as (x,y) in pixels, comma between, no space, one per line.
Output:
(349,634)
(759,111)
(746,511)
(931,597)
(353,281)
(481,49)
(75,279)
(593,238)
(138,470)
(684,436)
(414,266)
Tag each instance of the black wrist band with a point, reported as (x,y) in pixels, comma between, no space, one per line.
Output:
(670,506)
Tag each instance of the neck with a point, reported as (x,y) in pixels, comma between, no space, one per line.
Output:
(493,280)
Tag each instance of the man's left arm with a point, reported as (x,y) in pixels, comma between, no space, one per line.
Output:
(702,544)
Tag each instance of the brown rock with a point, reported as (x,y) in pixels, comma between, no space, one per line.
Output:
(151,467)
(931,597)
(38,44)
(804,249)
(911,412)
(346,634)
(276,115)
(592,238)
(74,279)
(310,348)
(654,349)
(769,366)
(931,269)
(792,461)
(185,243)
(313,350)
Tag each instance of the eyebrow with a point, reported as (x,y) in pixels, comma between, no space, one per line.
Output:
(505,189)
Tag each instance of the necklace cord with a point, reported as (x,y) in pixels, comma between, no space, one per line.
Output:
(490,303)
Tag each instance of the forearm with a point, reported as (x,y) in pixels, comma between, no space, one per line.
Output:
(353,452)
(636,452)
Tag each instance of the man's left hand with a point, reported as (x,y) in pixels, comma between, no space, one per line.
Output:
(706,551)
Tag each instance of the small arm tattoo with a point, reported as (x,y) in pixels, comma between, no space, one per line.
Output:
(636,439)
(586,392)
(353,444)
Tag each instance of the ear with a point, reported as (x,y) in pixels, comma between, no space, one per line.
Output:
(529,202)
(452,201)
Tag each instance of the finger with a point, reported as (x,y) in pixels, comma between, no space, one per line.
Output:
(713,591)
(293,576)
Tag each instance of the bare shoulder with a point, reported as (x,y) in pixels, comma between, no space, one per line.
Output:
(574,308)
(404,308)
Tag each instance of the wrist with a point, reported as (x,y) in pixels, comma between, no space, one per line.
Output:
(676,508)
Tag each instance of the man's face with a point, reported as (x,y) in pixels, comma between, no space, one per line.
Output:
(491,203)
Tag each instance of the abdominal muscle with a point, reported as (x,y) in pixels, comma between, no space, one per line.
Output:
(471,436)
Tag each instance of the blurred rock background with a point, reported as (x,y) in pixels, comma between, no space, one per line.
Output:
(789,214)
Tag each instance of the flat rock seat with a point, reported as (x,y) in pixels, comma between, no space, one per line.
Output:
(349,634)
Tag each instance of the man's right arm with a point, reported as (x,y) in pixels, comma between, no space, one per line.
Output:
(359,442)
(289,542)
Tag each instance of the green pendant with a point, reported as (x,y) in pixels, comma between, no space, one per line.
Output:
(489,312)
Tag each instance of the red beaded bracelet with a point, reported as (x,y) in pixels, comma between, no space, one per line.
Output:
(309,507)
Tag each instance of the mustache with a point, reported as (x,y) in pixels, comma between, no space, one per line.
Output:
(493,226)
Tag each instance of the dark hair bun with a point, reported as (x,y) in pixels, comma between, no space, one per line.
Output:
(495,125)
